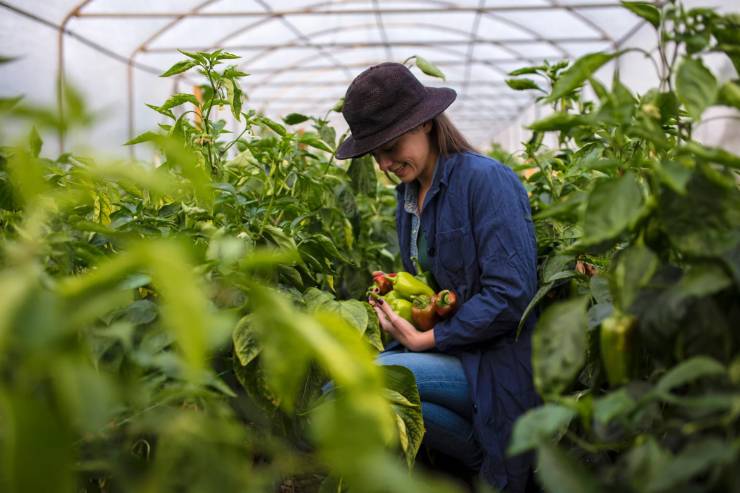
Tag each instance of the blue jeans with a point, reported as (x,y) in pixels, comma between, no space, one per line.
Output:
(446,405)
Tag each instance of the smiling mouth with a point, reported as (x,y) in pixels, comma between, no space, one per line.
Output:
(400,168)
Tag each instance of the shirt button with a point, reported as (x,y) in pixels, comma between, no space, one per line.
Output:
(475,408)
(431,252)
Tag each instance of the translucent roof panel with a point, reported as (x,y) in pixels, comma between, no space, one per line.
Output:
(302,54)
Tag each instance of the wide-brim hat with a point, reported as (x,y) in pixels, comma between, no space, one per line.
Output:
(384,102)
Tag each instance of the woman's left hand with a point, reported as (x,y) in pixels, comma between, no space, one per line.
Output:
(401,329)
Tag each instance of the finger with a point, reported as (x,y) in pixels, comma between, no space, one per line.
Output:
(382,317)
(392,315)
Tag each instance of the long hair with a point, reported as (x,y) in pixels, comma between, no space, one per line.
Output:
(446,138)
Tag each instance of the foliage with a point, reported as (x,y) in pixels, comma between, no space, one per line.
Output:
(168,326)
(638,228)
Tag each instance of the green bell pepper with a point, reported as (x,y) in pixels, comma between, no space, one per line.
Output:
(406,285)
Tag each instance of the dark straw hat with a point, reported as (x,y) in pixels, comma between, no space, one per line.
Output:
(385,101)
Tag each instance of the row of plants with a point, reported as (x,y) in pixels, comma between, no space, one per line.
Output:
(169,327)
(637,349)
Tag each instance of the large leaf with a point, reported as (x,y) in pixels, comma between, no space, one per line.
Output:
(560,473)
(246,345)
(406,404)
(688,371)
(577,74)
(729,94)
(557,121)
(696,87)
(704,222)
(634,269)
(646,10)
(178,99)
(614,405)
(612,206)
(559,346)
(697,457)
(362,172)
(179,68)
(539,426)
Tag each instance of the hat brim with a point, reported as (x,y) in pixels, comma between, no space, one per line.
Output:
(436,101)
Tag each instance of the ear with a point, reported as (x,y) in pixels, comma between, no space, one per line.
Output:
(427,126)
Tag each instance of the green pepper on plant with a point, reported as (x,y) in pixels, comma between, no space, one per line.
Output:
(617,347)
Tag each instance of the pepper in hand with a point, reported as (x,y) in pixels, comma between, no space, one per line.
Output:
(423,314)
(445,303)
(408,286)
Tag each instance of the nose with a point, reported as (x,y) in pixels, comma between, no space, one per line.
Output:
(384,161)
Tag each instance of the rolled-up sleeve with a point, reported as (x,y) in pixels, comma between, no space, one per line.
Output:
(505,247)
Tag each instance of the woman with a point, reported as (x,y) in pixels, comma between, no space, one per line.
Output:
(467,219)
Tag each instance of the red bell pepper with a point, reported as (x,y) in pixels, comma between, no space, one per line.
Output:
(445,303)
(423,314)
(382,281)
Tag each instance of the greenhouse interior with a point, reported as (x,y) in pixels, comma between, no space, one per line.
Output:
(228,261)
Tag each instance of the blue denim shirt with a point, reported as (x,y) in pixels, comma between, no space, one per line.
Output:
(481,244)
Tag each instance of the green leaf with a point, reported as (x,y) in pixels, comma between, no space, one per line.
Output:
(199,57)
(559,346)
(372,332)
(428,68)
(578,73)
(710,154)
(695,458)
(313,140)
(362,173)
(406,404)
(338,106)
(538,296)
(352,311)
(246,344)
(178,99)
(696,87)
(560,473)
(7,104)
(675,174)
(165,112)
(272,125)
(179,67)
(35,142)
(613,405)
(646,10)
(688,371)
(295,118)
(528,70)
(141,312)
(635,267)
(539,426)
(729,95)
(705,222)
(522,84)
(645,462)
(558,121)
(612,206)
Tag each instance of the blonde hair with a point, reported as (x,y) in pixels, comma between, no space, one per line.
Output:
(446,138)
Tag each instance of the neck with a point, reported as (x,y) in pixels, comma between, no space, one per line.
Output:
(426,177)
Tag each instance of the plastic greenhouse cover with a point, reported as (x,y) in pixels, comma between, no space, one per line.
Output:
(301,55)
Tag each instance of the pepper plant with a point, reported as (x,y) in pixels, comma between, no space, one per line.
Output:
(637,352)
(168,326)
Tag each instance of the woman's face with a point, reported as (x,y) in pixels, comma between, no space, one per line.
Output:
(409,156)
